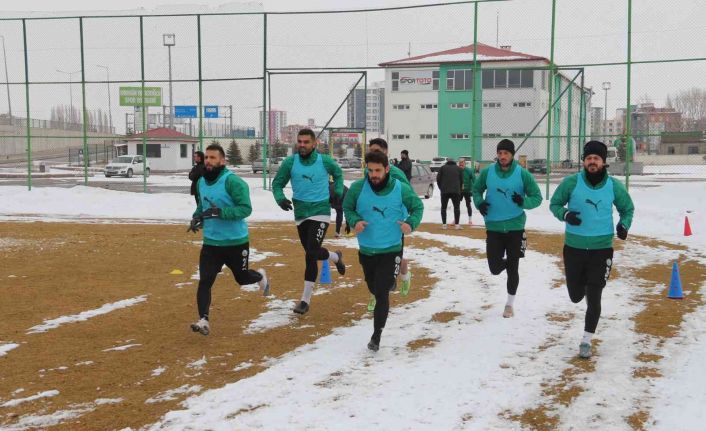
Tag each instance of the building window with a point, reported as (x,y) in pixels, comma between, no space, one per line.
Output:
(693,150)
(428,136)
(527,79)
(429,106)
(459,80)
(435,80)
(492,105)
(508,78)
(395,81)
(153,150)
(400,137)
(491,135)
(460,105)
(459,136)
(670,150)
(182,150)
(400,107)
(522,104)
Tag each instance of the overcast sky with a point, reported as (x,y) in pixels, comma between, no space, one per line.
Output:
(588,31)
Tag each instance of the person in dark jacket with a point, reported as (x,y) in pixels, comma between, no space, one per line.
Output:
(450,182)
(405,164)
(337,204)
(196,173)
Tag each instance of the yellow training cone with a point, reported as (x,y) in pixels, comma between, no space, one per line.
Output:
(177,272)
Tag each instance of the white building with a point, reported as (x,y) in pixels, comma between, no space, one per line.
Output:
(167,149)
(429,98)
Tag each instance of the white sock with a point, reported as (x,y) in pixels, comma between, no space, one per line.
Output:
(308,291)
(587,337)
(510,300)
(407,275)
(333,257)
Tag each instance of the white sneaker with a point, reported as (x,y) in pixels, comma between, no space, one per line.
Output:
(264,283)
(458,227)
(444,227)
(338,235)
(470,222)
(508,312)
(201,326)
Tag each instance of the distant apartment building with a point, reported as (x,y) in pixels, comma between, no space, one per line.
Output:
(368,113)
(276,121)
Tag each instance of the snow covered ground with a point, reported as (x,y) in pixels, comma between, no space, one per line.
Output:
(479,364)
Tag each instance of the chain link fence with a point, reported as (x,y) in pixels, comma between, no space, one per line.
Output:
(438,80)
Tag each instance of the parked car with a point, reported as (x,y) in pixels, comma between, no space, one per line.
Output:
(437,163)
(127,166)
(272,165)
(422,180)
(537,165)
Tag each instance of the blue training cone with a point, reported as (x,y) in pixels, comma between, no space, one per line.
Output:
(675,291)
(325,277)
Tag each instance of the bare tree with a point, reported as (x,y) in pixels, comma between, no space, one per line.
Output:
(692,104)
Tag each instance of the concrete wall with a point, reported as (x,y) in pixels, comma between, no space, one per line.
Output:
(40,140)
(653,159)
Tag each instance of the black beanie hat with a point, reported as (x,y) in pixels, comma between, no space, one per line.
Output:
(506,145)
(595,147)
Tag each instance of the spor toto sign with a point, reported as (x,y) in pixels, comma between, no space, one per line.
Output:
(415,80)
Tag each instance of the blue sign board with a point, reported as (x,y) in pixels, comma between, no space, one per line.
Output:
(210,111)
(187,111)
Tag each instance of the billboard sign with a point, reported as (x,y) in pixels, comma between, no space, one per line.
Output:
(132,96)
(185,111)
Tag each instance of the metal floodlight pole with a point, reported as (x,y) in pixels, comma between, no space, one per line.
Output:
(71,85)
(169,40)
(7,80)
(145,126)
(110,111)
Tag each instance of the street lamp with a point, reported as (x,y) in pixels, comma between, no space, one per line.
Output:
(606,87)
(110,112)
(71,94)
(168,40)
(7,80)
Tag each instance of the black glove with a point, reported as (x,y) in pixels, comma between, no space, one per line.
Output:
(285,204)
(195,225)
(483,208)
(572,218)
(621,231)
(211,212)
(347,230)
(518,199)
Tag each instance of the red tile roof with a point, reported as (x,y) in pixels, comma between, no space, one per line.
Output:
(164,134)
(464,54)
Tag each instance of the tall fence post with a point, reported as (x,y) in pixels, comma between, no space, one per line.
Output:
(628,114)
(84,112)
(552,71)
(29,137)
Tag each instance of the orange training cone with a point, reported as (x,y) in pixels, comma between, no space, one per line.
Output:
(687,226)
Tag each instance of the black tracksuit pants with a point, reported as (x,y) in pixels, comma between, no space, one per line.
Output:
(381,272)
(311,235)
(212,260)
(504,250)
(456,201)
(467,199)
(587,272)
